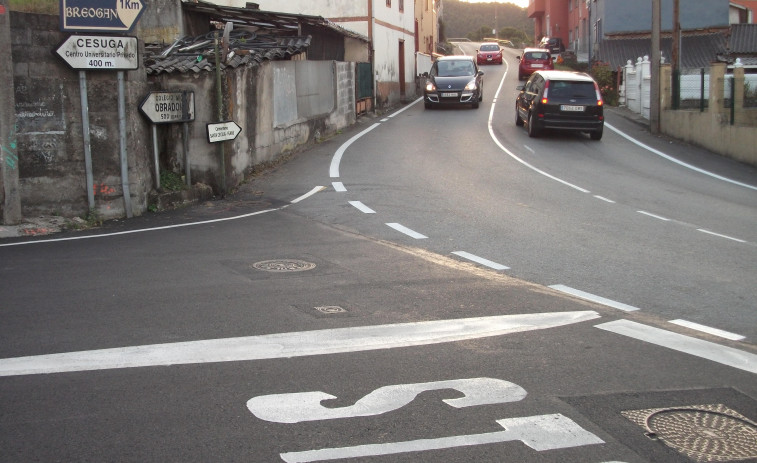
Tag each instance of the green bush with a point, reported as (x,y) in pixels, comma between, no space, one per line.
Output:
(171,181)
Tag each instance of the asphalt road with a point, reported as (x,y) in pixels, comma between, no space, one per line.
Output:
(384,296)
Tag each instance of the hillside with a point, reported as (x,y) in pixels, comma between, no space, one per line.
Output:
(462,19)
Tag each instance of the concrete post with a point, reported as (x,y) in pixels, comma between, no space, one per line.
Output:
(9,161)
(666,89)
(738,82)
(717,88)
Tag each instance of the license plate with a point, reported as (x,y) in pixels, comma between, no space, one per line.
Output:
(449,95)
(489,59)
(537,65)
(566,107)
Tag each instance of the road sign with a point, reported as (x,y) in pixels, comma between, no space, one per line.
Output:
(169,107)
(99,15)
(100,52)
(223,131)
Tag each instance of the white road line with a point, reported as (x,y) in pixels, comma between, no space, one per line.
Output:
(407,231)
(680,163)
(362,207)
(720,236)
(688,345)
(529,149)
(143,230)
(339,187)
(308,194)
(594,298)
(654,216)
(480,260)
(295,344)
(708,330)
(541,433)
(405,108)
(334,169)
(604,199)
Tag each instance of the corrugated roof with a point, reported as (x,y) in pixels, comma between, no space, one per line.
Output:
(697,51)
(744,39)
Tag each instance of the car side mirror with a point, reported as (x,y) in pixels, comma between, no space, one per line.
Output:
(520,87)
(518,57)
(480,73)
(425,74)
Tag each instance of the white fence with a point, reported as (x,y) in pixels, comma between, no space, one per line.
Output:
(635,91)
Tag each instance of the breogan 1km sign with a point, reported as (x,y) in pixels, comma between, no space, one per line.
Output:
(100,52)
(99,15)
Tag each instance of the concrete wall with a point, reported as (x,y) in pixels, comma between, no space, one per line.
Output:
(52,178)
(712,128)
(274,103)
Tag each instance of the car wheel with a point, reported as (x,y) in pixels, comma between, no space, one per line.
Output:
(533,132)
(475,105)
(520,77)
(596,135)
(518,120)
(427,105)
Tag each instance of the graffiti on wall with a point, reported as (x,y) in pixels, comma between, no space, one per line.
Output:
(8,150)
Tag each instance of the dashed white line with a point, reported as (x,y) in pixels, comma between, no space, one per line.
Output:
(407,231)
(480,260)
(708,330)
(654,216)
(607,200)
(529,149)
(308,194)
(362,207)
(339,186)
(686,344)
(721,236)
(594,298)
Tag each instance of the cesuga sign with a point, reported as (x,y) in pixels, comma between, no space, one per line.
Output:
(99,15)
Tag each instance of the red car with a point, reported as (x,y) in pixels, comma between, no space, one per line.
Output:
(489,53)
(534,59)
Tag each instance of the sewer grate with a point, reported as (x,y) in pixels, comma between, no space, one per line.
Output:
(704,433)
(331,309)
(283,265)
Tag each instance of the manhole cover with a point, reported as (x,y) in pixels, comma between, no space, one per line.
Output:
(331,309)
(284,265)
(701,432)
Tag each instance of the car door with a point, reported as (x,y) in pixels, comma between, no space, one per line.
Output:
(528,95)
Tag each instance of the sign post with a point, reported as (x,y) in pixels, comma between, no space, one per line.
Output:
(166,108)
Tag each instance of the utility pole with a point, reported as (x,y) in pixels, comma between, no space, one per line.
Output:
(675,60)
(654,94)
(8,129)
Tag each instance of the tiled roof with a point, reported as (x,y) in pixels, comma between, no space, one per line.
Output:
(697,51)
(196,54)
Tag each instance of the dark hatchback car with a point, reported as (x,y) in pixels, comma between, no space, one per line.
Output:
(453,80)
(553,44)
(562,100)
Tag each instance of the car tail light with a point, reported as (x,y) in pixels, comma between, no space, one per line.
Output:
(544,99)
(599,95)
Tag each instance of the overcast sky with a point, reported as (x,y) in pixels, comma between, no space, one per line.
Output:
(522,3)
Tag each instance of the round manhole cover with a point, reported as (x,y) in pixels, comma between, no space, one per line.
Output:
(284,265)
(703,433)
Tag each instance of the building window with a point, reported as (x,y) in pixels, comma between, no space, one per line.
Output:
(402,5)
(388,3)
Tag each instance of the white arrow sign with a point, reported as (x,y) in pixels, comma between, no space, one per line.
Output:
(100,52)
(168,107)
(223,131)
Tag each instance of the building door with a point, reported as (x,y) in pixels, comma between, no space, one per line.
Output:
(402,68)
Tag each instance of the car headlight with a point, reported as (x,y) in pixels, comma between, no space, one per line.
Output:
(471,85)
(430,87)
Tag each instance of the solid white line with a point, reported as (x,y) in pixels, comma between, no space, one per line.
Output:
(604,199)
(308,194)
(408,106)
(334,169)
(480,260)
(680,163)
(362,207)
(407,231)
(708,329)
(594,298)
(649,214)
(142,230)
(720,236)
(339,187)
(511,154)
(296,344)
(688,345)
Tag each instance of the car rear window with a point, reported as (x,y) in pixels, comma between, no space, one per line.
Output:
(567,89)
(489,47)
(537,55)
